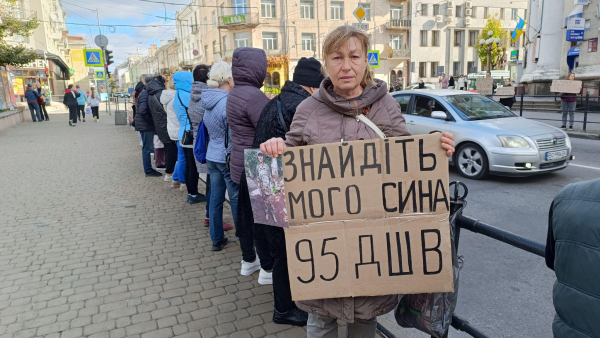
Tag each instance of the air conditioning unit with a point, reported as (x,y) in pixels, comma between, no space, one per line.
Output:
(450,3)
(468,12)
(449,11)
(439,19)
(468,4)
(449,19)
(467,21)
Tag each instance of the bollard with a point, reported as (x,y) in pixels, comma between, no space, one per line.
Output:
(521,106)
(585,112)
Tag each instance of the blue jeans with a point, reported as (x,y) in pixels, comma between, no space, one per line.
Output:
(34,109)
(147,149)
(179,173)
(220,180)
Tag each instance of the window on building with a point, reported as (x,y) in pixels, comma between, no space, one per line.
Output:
(459,12)
(423,38)
(435,38)
(225,44)
(396,14)
(267,8)
(269,41)
(422,69)
(514,15)
(337,10)
(214,19)
(473,38)
(470,66)
(239,7)
(205,51)
(396,41)
(205,25)
(434,67)
(214,45)
(223,13)
(473,12)
(424,9)
(458,38)
(367,12)
(308,42)
(307,9)
(436,9)
(456,69)
(501,13)
(486,11)
(241,40)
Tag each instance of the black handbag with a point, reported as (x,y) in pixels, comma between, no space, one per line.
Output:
(280,113)
(188,135)
(227,153)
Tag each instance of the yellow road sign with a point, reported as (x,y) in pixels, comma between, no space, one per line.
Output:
(360,13)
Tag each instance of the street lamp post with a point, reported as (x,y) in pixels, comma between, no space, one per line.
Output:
(488,43)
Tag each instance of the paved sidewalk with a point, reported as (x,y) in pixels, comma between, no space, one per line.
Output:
(89,247)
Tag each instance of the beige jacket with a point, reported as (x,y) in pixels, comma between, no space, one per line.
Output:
(326,117)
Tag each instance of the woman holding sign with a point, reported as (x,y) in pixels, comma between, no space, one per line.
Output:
(332,114)
(568,104)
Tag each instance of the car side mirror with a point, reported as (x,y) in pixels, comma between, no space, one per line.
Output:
(440,115)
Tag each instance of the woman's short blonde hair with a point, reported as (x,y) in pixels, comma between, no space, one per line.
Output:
(220,72)
(338,38)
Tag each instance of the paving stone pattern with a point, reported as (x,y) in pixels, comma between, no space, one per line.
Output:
(90,247)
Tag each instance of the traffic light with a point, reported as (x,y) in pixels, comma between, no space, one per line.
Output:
(107,74)
(108,57)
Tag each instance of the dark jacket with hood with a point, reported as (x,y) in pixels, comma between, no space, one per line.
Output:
(143,117)
(70,98)
(31,95)
(159,115)
(245,103)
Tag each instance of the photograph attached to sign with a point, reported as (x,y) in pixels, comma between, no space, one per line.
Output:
(566,86)
(265,184)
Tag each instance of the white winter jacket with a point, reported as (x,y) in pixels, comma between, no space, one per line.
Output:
(166,98)
(93,102)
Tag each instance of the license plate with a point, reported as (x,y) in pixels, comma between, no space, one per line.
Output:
(556,155)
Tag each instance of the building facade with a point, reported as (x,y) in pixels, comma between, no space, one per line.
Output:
(78,72)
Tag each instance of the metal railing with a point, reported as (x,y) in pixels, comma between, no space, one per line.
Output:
(398,24)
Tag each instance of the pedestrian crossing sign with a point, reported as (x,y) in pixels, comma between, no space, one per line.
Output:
(100,75)
(93,58)
(373,58)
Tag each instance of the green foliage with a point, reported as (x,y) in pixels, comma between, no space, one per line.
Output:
(14,21)
(498,54)
(15,55)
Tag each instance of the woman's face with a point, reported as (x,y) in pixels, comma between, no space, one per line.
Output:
(571,76)
(347,66)
(506,82)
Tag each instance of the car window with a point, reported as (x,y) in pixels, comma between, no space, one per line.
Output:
(477,107)
(403,101)
(424,106)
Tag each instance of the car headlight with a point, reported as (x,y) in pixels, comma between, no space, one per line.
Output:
(511,141)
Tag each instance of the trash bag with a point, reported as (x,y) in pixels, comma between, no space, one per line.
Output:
(432,312)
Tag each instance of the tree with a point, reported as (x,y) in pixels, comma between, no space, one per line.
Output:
(498,50)
(13,21)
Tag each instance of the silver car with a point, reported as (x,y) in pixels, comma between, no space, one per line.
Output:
(489,138)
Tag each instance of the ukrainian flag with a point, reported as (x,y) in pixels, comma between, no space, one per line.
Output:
(518,30)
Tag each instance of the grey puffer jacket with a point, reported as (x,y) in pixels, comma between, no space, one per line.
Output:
(245,103)
(326,117)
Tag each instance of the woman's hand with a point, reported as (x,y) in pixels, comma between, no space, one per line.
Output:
(275,147)
(448,143)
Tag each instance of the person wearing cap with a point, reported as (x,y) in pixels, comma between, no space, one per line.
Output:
(306,81)
(32,102)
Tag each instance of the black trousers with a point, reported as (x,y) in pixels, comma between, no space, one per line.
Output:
(170,157)
(81,111)
(44,111)
(95,112)
(73,113)
(191,172)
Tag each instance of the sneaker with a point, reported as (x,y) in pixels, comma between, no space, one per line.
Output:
(219,246)
(563,127)
(175,184)
(153,173)
(250,268)
(196,199)
(47,119)
(83,120)
(74,124)
(294,317)
(206,222)
(161,168)
(265,278)
(70,123)
(570,127)
(227,226)
(182,187)
(168,178)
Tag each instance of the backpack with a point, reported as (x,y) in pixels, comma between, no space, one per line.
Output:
(201,146)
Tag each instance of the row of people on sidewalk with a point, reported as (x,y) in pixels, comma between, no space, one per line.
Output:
(311,109)
(35,94)
(76,100)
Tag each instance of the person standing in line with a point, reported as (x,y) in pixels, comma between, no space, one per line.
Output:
(443,80)
(32,95)
(568,102)
(145,125)
(94,103)
(214,102)
(81,101)
(572,251)
(183,85)
(159,116)
(166,98)
(139,88)
(451,84)
(70,100)
(306,81)
(507,101)
(326,117)
(244,106)
(43,92)
(462,82)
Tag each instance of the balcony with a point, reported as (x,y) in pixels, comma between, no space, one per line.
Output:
(397,1)
(237,18)
(399,54)
(398,24)
(23,15)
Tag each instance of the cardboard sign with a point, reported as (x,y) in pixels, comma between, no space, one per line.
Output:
(566,86)
(504,92)
(485,86)
(368,218)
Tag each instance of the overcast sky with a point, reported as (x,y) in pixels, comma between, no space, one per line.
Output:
(124,41)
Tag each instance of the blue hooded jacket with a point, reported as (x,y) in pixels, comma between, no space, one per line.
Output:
(82,99)
(183,85)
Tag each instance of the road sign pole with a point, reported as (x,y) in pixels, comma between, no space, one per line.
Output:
(105,67)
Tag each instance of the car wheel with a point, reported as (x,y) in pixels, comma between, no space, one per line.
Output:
(471,161)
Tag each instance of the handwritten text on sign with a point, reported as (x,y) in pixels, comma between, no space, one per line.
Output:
(565,86)
(365,214)
(484,85)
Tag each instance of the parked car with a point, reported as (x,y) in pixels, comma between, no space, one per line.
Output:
(490,139)
(121,94)
(416,86)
